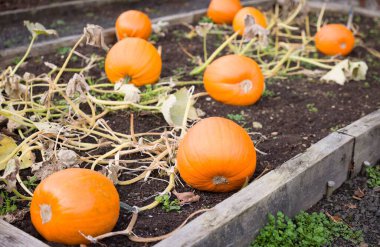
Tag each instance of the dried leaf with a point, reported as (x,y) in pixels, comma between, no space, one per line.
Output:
(130,91)
(346,71)
(257,125)
(37,29)
(7,145)
(67,157)
(160,28)
(48,127)
(350,206)
(77,84)
(13,87)
(112,171)
(253,30)
(359,193)
(186,197)
(95,36)
(174,107)
(203,29)
(16,216)
(10,173)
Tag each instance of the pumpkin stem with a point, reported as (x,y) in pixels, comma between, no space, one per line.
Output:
(343,45)
(246,85)
(45,213)
(219,180)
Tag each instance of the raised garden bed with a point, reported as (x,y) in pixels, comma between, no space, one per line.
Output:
(294,114)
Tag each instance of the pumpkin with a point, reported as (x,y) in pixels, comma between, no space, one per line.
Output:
(216,155)
(74,201)
(239,24)
(223,11)
(334,39)
(133,23)
(135,60)
(234,80)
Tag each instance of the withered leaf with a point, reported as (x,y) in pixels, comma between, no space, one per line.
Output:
(186,197)
(95,36)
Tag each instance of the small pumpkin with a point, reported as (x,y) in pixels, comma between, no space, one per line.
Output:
(335,39)
(74,201)
(239,24)
(133,23)
(216,155)
(234,80)
(223,11)
(135,60)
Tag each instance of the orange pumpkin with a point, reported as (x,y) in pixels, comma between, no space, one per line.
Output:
(216,155)
(135,60)
(234,80)
(238,23)
(133,23)
(335,39)
(74,201)
(223,11)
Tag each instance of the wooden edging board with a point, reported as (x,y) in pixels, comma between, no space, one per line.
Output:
(11,236)
(296,185)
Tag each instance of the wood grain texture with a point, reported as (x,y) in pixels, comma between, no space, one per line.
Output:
(11,236)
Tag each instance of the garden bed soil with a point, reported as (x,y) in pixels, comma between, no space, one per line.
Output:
(70,21)
(23,4)
(295,113)
(359,211)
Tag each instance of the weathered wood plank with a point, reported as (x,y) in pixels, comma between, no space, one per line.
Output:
(296,185)
(11,236)
(366,132)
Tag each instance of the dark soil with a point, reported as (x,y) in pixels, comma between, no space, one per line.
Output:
(23,4)
(362,213)
(70,21)
(289,122)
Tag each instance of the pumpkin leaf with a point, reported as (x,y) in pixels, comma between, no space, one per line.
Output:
(95,36)
(77,84)
(203,28)
(38,29)
(49,127)
(346,71)
(130,91)
(67,157)
(7,145)
(174,107)
(10,173)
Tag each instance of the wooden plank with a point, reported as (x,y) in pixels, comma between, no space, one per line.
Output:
(366,132)
(296,185)
(11,236)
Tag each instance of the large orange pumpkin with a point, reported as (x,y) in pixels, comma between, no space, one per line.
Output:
(335,39)
(234,80)
(133,23)
(223,11)
(135,60)
(74,201)
(216,155)
(238,23)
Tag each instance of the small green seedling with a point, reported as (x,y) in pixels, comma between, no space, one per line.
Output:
(314,229)
(7,203)
(373,174)
(167,204)
(236,117)
(312,108)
